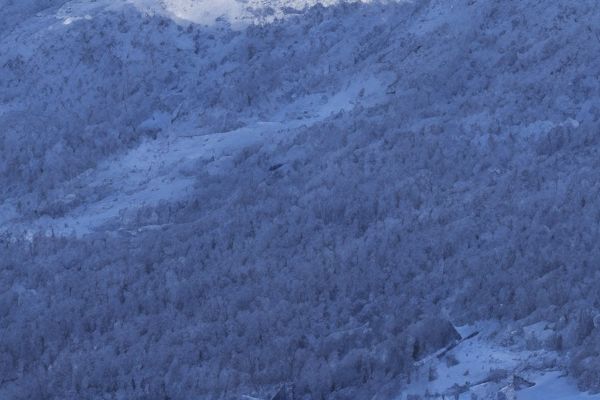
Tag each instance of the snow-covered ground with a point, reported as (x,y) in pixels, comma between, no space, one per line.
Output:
(491,363)
(205,12)
(554,385)
(156,170)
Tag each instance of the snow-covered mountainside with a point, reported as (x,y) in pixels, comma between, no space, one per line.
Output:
(333,200)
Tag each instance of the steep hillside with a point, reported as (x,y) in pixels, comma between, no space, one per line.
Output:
(214,200)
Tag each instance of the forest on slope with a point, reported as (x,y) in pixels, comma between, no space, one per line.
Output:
(433,163)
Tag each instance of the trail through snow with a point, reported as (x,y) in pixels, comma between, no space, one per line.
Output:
(163,169)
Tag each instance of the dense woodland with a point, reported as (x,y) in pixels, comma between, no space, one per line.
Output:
(469,192)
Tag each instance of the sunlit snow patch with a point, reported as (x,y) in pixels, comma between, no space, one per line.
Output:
(238,13)
(204,12)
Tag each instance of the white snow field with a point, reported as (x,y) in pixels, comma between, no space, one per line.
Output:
(232,199)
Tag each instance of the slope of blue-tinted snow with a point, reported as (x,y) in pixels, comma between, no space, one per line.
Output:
(554,386)
(493,364)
